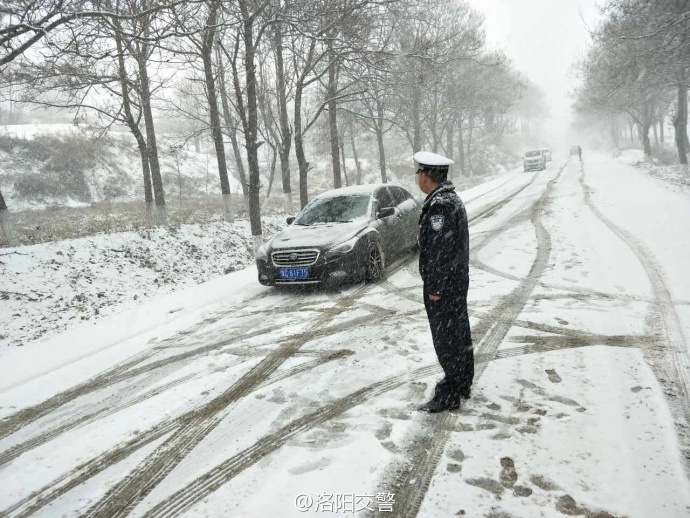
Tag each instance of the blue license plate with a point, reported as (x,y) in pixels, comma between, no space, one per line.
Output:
(294,273)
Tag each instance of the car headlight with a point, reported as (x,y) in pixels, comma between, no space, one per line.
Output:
(261,252)
(344,247)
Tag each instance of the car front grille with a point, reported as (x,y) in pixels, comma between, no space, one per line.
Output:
(295,257)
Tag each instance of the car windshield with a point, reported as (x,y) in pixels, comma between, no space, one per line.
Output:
(335,209)
(530,154)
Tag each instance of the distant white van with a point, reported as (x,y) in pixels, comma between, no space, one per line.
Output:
(534,160)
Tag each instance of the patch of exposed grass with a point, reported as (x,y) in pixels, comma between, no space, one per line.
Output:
(56,223)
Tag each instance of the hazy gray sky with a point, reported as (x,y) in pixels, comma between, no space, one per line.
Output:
(543,38)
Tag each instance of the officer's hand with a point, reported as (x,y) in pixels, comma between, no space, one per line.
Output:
(434,297)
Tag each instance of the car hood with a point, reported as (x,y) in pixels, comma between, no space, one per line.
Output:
(316,236)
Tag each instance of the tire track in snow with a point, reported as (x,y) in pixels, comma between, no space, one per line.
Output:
(127,370)
(125,495)
(508,180)
(14,422)
(197,425)
(214,479)
(136,367)
(44,496)
(15,451)
(209,482)
(486,212)
(670,364)
(114,403)
(89,469)
(327,316)
(493,208)
(334,411)
(411,482)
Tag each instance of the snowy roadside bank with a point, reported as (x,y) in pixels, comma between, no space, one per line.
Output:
(675,176)
(50,287)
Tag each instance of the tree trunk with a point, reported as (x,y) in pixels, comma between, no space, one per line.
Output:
(355,157)
(214,114)
(434,122)
(614,132)
(285,134)
(274,156)
(251,131)
(146,170)
(134,127)
(151,145)
(661,131)
(333,117)
(6,224)
(461,147)
(416,117)
(449,148)
(656,134)
(646,143)
(231,127)
(379,141)
(299,147)
(341,140)
(681,124)
(469,145)
(237,153)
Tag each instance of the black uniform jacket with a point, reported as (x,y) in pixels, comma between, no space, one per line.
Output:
(444,241)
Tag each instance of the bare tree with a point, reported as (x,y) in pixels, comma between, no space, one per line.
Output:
(251,28)
(432,37)
(640,52)
(285,129)
(207,51)
(26,23)
(103,68)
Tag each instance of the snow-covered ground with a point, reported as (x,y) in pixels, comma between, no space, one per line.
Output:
(51,286)
(676,176)
(231,399)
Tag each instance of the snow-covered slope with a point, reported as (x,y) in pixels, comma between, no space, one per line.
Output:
(51,286)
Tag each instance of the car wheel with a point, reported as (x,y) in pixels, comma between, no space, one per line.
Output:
(374,258)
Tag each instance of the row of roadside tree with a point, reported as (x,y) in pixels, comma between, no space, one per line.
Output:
(637,72)
(264,72)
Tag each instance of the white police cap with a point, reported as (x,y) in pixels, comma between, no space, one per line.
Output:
(428,161)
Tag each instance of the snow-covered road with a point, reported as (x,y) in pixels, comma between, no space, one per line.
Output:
(232,399)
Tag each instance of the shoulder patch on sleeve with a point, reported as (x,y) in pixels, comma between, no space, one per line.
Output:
(437,222)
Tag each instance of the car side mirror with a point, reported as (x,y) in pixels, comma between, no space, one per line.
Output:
(290,220)
(385,212)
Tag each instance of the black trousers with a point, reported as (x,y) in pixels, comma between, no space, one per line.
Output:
(450,330)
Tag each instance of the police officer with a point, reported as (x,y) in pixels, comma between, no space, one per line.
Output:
(444,267)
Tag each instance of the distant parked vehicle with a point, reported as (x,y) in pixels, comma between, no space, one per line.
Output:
(534,160)
(344,234)
(547,153)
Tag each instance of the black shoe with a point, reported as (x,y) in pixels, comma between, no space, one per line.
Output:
(439,405)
